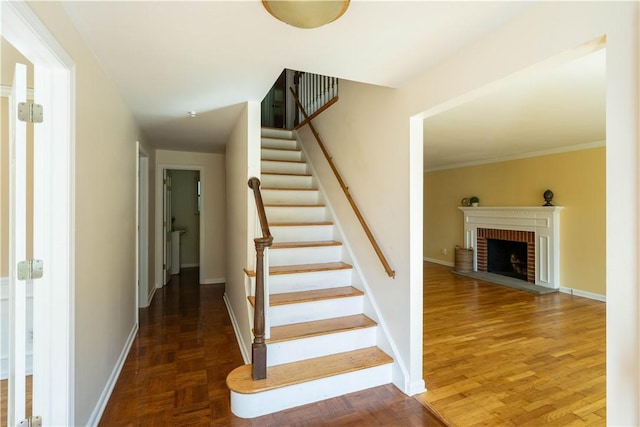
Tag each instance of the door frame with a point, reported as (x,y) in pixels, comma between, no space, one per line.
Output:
(142,225)
(160,239)
(54,232)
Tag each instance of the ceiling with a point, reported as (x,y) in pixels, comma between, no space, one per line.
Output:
(557,109)
(168,58)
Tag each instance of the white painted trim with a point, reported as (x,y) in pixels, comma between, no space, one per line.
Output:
(152,293)
(189,265)
(439,261)
(94,419)
(5,92)
(555,150)
(215,281)
(246,354)
(54,211)
(584,294)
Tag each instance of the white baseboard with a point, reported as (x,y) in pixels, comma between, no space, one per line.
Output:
(584,294)
(246,354)
(151,295)
(439,261)
(113,378)
(213,281)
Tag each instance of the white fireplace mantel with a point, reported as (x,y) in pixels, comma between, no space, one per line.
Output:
(544,221)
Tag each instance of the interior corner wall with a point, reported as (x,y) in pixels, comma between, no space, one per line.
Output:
(213,202)
(242,162)
(105,230)
(577,179)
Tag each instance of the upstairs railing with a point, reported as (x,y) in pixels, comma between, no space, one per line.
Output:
(345,188)
(314,93)
(259,348)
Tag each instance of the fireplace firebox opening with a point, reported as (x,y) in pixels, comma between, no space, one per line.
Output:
(507,258)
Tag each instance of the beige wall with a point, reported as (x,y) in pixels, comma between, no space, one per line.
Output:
(242,162)
(213,222)
(577,180)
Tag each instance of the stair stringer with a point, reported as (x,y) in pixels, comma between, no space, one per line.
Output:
(400,374)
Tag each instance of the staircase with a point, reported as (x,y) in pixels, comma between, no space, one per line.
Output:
(321,345)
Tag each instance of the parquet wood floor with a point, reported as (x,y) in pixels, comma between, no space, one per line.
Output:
(502,357)
(175,373)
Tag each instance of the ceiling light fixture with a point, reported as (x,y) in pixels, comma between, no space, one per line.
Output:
(192,113)
(306,13)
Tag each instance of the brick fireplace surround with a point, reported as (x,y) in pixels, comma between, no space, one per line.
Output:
(538,226)
(527,237)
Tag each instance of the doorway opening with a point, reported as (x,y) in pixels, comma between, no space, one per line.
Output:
(185,206)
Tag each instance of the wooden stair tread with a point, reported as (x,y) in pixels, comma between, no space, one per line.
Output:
(298,224)
(320,327)
(240,380)
(308,175)
(303,268)
(311,295)
(316,244)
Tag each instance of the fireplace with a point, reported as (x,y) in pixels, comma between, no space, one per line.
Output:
(530,234)
(509,253)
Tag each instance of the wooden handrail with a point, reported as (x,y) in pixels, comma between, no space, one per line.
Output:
(259,348)
(390,272)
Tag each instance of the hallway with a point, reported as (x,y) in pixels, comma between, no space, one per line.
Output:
(175,373)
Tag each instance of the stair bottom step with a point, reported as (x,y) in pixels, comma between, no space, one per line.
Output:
(299,383)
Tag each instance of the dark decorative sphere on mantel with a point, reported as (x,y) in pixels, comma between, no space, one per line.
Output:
(548,197)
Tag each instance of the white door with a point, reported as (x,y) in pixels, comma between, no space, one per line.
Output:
(15,311)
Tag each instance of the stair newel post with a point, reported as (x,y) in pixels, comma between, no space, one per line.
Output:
(259,347)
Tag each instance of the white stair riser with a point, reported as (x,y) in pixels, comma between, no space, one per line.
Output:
(287,144)
(276,133)
(296,213)
(295,256)
(282,283)
(271,154)
(315,310)
(323,345)
(301,233)
(283,167)
(255,405)
(286,181)
(294,197)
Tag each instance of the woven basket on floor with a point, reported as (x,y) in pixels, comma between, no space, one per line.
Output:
(464,259)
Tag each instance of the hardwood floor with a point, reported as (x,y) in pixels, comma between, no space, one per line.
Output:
(176,370)
(498,356)
(4,384)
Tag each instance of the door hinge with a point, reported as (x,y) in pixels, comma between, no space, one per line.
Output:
(30,269)
(30,113)
(31,422)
